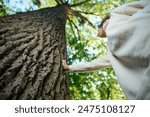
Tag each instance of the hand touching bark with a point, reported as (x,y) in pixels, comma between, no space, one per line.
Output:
(64,64)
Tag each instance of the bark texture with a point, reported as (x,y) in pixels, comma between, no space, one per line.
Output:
(32,46)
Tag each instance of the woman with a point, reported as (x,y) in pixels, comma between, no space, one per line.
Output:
(128,33)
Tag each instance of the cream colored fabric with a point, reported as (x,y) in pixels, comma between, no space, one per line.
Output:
(128,33)
(96,64)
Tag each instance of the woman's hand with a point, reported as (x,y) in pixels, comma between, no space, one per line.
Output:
(101,32)
(64,64)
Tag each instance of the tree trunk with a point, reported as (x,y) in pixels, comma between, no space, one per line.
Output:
(32,46)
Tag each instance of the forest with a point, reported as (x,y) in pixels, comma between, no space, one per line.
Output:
(81,45)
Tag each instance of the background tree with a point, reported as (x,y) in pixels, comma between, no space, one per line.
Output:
(33,44)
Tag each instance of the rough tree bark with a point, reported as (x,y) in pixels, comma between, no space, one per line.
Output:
(32,46)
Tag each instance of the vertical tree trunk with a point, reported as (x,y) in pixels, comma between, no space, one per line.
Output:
(32,46)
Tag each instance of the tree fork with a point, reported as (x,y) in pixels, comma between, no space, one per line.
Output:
(32,46)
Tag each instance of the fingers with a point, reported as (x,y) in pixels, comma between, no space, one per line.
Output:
(64,64)
(101,32)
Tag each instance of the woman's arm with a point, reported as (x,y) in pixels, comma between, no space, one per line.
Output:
(97,64)
(100,63)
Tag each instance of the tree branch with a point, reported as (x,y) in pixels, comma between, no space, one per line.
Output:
(71,22)
(63,1)
(76,13)
(89,13)
(76,29)
(58,1)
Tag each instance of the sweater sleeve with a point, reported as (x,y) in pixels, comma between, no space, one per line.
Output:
(97,64)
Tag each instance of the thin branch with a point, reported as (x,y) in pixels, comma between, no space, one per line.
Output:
(76,13)
(63,1)
(58,1)
(70,22)
(76,28)
(74,5)
(88,13)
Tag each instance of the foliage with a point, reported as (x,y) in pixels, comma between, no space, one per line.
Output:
(3,9)
(83,45)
